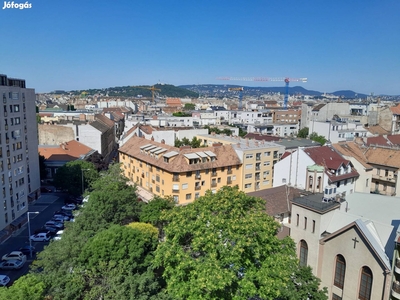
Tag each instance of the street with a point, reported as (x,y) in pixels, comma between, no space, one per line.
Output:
(46,205)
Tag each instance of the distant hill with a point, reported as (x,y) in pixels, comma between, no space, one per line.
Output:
(221,90)
(165,90)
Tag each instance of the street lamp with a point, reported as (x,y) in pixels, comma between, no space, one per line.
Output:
(29,230)
(83,184)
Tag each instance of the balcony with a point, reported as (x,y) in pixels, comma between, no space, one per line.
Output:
(213,184)
(175,179)
(396,289)
(229,171)
(198,176)
(258,158)
(397,266)
(214,174)
(229,181)
(174,190)
(197,187)
(384,178)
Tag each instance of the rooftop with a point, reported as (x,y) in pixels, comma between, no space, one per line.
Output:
(315,202)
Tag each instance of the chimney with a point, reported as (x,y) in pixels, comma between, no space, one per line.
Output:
(184,147)
(152,138)
(217,145)
(162,141)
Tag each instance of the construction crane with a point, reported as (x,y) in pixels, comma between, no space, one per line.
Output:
(277,79)
(152,89)
(240,89)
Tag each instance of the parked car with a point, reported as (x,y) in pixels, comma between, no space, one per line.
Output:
(58,235)
(69,206)
(44,189)
(14,255)
(54,224)
(74,199)
(27,250)
(40,237)
(61,217)
(4,280)
(58,219)
(48,230)
(67,213)
(11,264)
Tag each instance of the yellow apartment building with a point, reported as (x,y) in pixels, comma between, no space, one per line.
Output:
(257,158)
(184,173)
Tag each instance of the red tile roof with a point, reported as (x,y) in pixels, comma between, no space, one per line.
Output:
(326,156)
(395,109)
(377,140)
(69,151)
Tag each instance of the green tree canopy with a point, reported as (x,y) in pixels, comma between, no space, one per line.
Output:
(224,246)
(26,287)
(303,133)
(318,138)
(69,177)
(189,106)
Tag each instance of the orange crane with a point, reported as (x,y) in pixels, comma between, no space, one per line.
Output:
(285,79)
(152,89)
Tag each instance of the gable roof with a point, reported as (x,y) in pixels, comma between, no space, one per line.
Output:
(277,199)
(383,156)
(377,140)
(68,151)
(353,150)
(329,158)
(368,233)
(318,107)
(395,109)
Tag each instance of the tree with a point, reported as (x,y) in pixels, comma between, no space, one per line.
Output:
(303,133)
(42,167)
(304,284)
(318,138)
(224,246)
(26,287)
(69,177)
(151,212)
(189,106)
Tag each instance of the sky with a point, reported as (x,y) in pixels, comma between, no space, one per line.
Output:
(77,45)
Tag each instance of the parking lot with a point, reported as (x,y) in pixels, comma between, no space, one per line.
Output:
(46,205)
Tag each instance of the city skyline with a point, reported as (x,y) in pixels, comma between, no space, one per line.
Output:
(71,45)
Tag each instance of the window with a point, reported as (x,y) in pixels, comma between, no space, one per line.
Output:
(248,156)
(340,270)
(185,186)
(176,198)
(367,182)
(248,176)
(247,185)
(303,253)
(313,226)
(336,297)
(266,163)
(365,284)
(298,220)
(188,196)
(268,153)
(249,166)
(305,223)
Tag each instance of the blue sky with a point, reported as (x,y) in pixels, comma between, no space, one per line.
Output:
(69,44)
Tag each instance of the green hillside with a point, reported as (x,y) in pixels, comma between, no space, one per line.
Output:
(165,90)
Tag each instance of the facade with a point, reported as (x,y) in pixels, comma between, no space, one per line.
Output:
(57,156)
(19,159)
(350,243)
(336,132)
(258,159)
(182,173)
(287,116)
(315,168)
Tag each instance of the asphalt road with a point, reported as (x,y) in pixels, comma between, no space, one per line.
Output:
(46,205)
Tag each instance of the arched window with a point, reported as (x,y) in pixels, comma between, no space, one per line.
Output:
(340,270)
(303,253)
(365,284)
(310,181)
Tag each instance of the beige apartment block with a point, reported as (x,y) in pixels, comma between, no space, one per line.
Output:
(257,157)
(183,173)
